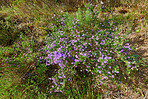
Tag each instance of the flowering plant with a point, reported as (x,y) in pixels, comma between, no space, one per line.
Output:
(84,45)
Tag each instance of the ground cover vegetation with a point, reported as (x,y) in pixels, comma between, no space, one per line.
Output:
(78,50)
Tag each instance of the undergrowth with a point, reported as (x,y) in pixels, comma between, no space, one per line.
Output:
(80,55)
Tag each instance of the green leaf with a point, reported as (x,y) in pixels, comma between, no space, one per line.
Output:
(137,31)
(77,63)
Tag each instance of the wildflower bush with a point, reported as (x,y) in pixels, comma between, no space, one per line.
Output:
(83,46)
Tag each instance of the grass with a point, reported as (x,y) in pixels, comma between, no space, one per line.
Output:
(49,53)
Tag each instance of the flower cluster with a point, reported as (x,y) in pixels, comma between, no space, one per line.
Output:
(98,50)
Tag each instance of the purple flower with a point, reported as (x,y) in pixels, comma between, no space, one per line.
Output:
(100,82)
(97,38)
(101,57)
(60,76)
(102,64)
(108,72)
(102,43)
(116,71)
(99,71)
(69,79)
(112,76)
(109,57)
(84,43)
(77,31)
(105,61)
(90,44)
(52,86)
(61,90)
(128,62)
(76,56)
(115,44)
(76,60)
(63,76)
(127,43)
(96,43)
(105,77)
